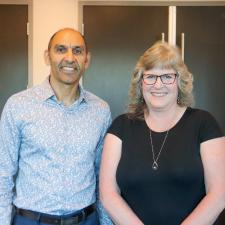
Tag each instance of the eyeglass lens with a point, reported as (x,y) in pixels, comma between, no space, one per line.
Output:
(165,78)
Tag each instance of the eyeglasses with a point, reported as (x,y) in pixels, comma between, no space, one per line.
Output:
(151,79)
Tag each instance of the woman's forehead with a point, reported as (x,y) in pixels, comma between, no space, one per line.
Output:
(159,70)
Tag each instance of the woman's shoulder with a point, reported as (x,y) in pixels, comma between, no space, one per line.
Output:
(125,118)
(124,121)
(200,114)
(123,125)
(207,123)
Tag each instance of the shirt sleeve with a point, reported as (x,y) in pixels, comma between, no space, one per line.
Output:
(99,147)
(103,216)
(209,128)
(117,127)
(9,146)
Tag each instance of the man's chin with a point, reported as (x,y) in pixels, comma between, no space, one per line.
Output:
(71,79)
(67,78)
(70,82)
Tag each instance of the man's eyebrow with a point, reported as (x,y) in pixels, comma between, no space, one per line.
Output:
(78,46)
(60,45)
(69,46)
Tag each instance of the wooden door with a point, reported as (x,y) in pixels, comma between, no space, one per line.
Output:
(117,36)
(14,50)
(204,29)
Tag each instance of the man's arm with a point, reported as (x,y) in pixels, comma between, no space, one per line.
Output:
(9,146)
(103,216)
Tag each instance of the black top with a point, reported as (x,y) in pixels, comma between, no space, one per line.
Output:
(167,195)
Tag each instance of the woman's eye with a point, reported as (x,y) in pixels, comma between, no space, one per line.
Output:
(150,76)
(167,76)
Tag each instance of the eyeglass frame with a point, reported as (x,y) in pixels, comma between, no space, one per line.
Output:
(160,76)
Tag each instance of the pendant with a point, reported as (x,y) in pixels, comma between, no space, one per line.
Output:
(155,166)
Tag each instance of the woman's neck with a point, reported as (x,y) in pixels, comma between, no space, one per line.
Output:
(163,120)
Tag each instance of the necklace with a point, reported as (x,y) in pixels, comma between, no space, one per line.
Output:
(155,165)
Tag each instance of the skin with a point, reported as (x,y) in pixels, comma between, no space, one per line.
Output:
(162,112)
(159,96)
(68,59)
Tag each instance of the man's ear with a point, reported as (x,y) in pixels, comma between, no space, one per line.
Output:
(88,60)
(46,57)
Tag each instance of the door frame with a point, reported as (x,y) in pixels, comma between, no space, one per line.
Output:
(29,4)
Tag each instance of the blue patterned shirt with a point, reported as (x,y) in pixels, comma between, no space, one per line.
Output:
(51,150)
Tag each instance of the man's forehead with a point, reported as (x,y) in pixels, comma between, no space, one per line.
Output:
(68,38)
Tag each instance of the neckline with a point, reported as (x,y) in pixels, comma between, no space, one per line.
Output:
(173,127)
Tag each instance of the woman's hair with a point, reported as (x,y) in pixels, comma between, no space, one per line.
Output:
(162,56)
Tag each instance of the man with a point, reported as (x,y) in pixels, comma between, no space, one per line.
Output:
(50,143)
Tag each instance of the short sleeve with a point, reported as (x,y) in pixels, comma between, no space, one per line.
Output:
(117,126)
(209,128)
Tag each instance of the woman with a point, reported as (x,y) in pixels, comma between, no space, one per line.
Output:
(163,162)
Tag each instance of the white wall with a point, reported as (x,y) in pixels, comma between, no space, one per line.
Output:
(48,16)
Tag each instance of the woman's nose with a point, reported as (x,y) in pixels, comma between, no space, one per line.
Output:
(158,82)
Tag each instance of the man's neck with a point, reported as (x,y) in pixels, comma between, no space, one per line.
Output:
(67,94)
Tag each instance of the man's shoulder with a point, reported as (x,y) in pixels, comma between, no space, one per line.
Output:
(24,94)
(95,100)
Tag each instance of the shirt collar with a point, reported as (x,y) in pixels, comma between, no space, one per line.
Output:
(46,92)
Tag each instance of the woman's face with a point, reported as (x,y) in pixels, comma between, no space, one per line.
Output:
(159,88)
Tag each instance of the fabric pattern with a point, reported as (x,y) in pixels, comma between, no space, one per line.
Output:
(53,151)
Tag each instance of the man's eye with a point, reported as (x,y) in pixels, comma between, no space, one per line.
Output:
(77,51)
(61,49)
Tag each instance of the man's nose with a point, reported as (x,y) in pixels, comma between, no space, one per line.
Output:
(69,55)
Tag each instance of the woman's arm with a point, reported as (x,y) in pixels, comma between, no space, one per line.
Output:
(213,158)
(114,204)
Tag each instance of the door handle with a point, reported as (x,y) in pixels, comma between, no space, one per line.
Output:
(182,46)
(163,37)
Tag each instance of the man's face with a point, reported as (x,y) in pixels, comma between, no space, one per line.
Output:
(67,57)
